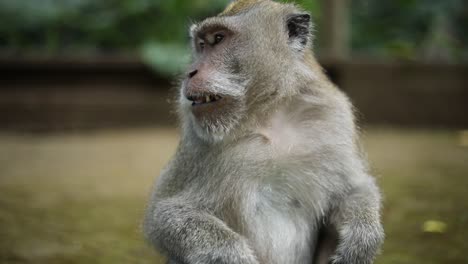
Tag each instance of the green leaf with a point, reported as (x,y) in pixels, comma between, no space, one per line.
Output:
(166,58)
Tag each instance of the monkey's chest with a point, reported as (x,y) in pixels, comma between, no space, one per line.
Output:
(279,234)
(259,199)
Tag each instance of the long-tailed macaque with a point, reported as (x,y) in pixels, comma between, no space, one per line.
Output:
(268,168)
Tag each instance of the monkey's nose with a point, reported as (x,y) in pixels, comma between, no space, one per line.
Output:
(192,73)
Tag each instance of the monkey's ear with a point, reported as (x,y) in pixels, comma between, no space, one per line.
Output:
(299,28)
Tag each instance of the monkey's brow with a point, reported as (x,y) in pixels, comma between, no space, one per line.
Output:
(204,29)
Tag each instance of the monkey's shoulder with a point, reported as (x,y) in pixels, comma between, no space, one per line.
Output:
(307,126)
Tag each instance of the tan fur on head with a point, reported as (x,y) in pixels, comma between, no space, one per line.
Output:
(238,6)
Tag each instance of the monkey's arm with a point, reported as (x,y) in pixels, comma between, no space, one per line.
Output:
(357,222)
(189,235)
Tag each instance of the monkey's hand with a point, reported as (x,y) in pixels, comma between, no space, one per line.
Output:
(192,236)
(360,233)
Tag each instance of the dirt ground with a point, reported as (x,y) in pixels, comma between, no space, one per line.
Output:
(79,198)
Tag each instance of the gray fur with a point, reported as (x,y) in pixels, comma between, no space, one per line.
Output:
(258,180)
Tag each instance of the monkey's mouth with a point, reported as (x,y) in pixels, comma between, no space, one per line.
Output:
(203,99)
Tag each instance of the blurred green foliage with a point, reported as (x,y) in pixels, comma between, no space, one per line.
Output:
(411,29)
(157,29)
(106,25)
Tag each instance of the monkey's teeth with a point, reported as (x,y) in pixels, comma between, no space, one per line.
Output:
(203,99)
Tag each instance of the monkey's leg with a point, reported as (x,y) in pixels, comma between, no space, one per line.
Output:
(326,244)
(357,220)
(190,235)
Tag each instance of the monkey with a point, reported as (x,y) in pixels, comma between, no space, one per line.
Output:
(269,168)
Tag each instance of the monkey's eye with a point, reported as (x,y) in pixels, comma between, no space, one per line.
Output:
(201,44)
(218,38)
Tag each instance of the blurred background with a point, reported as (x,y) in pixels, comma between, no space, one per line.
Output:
(87,119)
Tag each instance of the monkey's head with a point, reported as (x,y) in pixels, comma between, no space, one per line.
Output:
(245,60)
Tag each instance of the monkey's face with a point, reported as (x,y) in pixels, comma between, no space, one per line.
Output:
(240,60)
(213,91)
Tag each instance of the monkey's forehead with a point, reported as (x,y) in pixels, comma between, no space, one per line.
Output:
(233,9)
(241,7)
(238,6)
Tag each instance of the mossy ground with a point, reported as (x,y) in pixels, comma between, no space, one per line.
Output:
(79,198)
